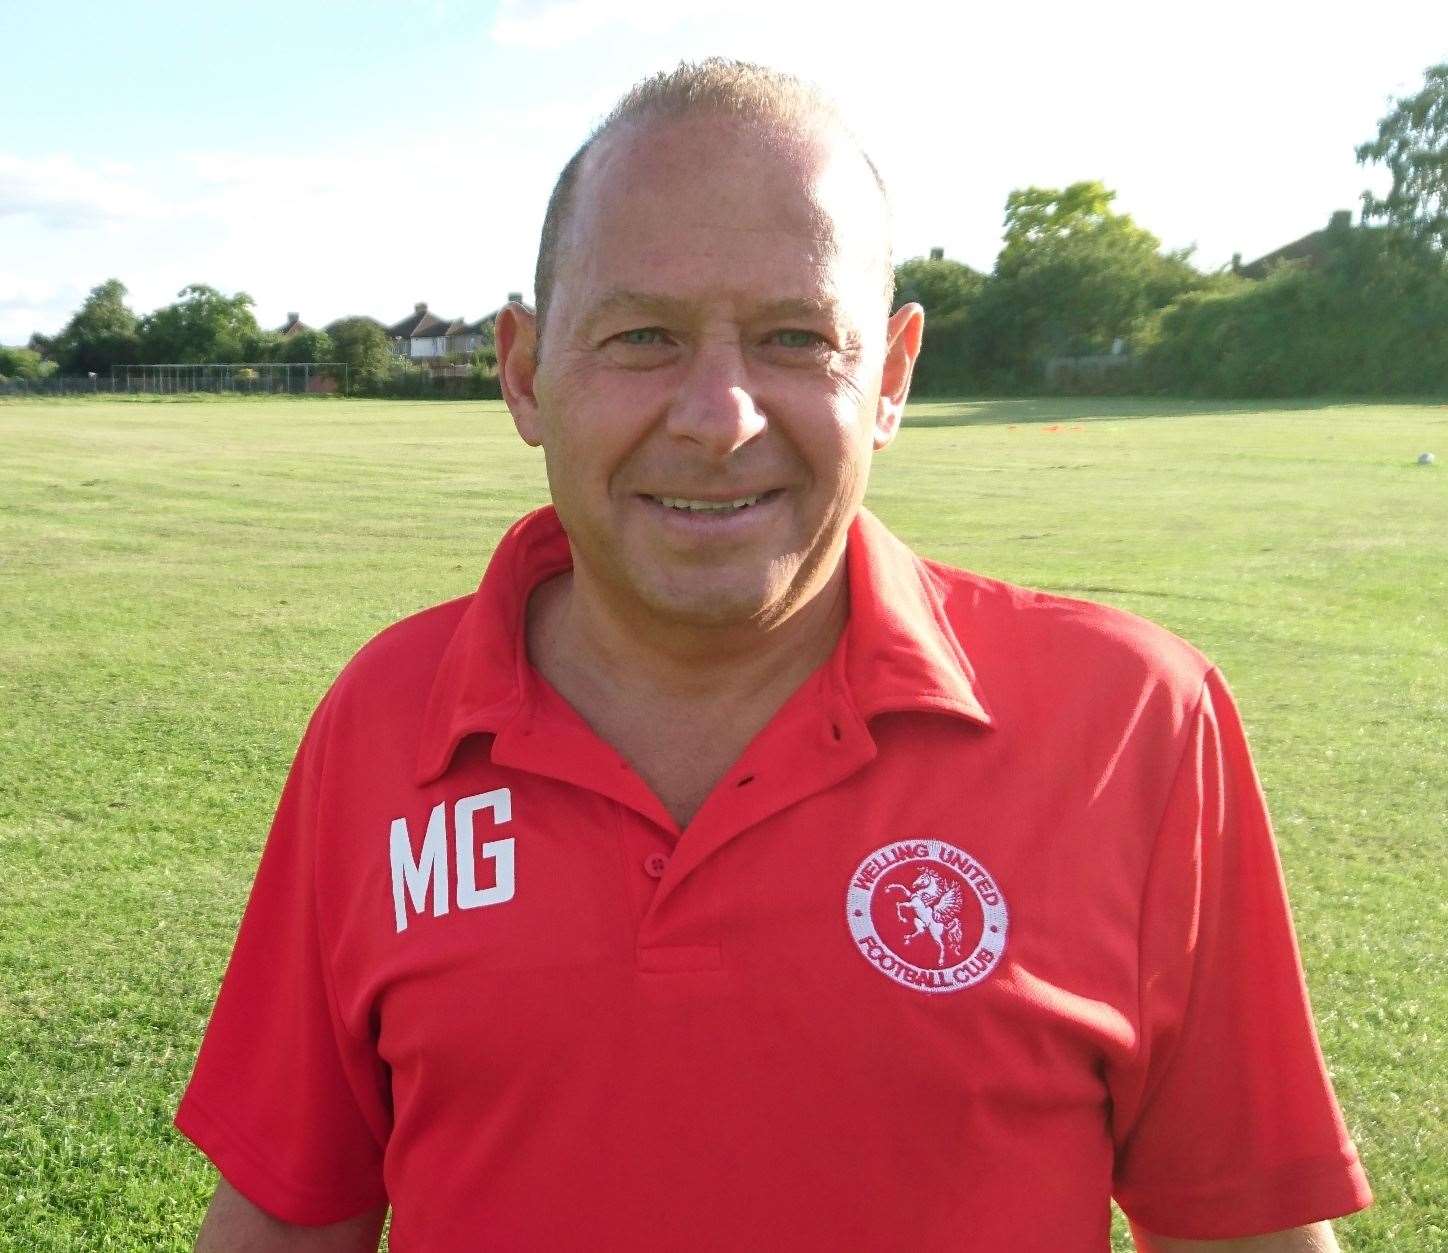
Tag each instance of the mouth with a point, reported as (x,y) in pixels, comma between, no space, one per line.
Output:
(700,507)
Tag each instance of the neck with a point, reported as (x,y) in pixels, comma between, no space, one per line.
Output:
(578,637)
(680,702)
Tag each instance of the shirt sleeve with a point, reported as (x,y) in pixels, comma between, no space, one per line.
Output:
(1224,1121)
(291,1107)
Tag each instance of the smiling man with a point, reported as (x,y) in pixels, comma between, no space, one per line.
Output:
(723,876)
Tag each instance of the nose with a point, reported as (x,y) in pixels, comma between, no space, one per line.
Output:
(714,407)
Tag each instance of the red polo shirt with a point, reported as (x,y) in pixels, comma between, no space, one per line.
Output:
(985,926)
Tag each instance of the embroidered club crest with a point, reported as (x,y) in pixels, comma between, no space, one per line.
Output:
(926,914)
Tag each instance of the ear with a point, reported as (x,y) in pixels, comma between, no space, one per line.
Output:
(902,347)
(516,333)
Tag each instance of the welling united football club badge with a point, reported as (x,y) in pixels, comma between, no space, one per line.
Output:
(927,915)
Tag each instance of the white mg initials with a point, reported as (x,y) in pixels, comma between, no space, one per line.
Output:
(412,881)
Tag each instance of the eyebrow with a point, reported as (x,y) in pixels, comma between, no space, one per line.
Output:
(672,309)
(667,308)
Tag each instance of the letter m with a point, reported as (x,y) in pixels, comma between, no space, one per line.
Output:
(429,870)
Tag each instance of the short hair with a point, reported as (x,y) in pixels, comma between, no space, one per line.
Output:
(779,102)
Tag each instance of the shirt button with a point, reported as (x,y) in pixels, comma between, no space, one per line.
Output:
(655,864)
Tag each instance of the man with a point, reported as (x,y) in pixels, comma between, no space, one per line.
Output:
(723,876)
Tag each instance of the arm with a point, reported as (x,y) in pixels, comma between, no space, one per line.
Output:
(1316,1238)
(234,1225)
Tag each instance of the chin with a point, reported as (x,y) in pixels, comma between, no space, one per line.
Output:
(706,605)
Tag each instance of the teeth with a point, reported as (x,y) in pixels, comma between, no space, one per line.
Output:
(705,506)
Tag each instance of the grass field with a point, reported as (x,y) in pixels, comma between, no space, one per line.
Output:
(180,580)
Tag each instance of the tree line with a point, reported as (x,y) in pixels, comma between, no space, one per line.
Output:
(1075,283)
(1365,313)
(201,326)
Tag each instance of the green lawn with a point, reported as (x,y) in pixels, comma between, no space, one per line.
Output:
(180,580)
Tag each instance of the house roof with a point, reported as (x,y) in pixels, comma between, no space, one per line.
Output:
(476,328)
(1310,249)
(292,326)
(419,322)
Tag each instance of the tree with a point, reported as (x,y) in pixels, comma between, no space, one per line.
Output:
(1413,143)
(23,363)
(203,325)
(1041,216)
(937,284)
(102,332)
(1370,317)
(946,290)
(365,347)
(1072,277)
(264,345)
(308,345)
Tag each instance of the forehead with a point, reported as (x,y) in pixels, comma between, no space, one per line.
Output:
(707,205)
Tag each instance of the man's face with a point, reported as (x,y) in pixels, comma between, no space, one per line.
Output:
(708,390)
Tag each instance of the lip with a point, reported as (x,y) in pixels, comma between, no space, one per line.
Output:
(698,523)
(715,497)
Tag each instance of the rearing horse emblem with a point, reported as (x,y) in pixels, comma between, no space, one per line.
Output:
(934,907)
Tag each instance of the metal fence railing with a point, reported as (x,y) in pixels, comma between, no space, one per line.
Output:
(242,378)
(57,385)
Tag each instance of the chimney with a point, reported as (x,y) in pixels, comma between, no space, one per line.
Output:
(1340,220)
(1236,262)
(937,254)
(420,307)
(515,297)
(293,317)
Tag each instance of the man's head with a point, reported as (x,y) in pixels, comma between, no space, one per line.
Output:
(771,101)
(714,279)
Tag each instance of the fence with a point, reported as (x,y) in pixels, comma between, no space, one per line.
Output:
(1103,374)
(56,385)
(246,377)
(243,378)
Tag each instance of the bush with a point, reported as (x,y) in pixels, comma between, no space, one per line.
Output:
(408,381)
(24,363)
(945,365)
(1370,319)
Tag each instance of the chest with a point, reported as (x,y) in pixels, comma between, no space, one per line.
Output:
(882,967)
(912,893)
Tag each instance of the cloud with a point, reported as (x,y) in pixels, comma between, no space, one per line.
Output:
(20,292)
(59,192)
(28,303)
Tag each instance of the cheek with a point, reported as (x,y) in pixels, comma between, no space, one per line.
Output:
(589,428)
(838,439)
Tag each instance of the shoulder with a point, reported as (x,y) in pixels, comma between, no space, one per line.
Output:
(393,673)
(1063,648)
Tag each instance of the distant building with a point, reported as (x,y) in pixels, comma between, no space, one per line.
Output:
(420,337)
(443,345)
(1309,250)
(430,340)
(470,336)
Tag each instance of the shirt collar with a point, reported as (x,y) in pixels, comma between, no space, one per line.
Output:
(899,652)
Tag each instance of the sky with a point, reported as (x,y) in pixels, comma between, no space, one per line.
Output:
(336,158)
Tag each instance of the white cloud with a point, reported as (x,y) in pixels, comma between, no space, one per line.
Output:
(368,231)
(22,291)
(1234,130)
(60,192)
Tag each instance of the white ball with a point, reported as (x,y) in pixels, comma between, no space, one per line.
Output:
(1426,458)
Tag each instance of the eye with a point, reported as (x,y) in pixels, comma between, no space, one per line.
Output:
(793,337)
(642,336)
